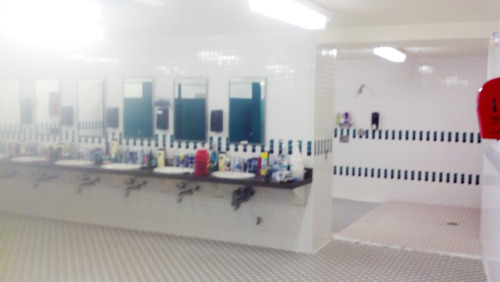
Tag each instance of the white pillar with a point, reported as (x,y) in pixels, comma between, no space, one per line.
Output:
(490,206)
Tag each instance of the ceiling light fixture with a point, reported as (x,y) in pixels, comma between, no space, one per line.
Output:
(297,12)
(391,54)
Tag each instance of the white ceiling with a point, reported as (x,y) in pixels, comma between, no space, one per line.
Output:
(175,17)
(348,13)
(132,19)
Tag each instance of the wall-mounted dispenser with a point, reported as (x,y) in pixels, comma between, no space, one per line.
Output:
(162,118)
(488,109)
(67,116)
(375,120)
(216,121)
(112,118)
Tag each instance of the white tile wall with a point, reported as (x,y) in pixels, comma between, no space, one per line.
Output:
(286,60)
(323,133)
(288,63)
(435,94)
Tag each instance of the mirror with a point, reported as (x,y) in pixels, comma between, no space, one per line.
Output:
(190,100)
(48,106)
(247,110)
(138,108)
(11,106)
(91,106)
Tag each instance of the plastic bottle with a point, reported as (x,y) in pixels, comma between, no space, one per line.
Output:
(297,163)
(201,163)
(160,157)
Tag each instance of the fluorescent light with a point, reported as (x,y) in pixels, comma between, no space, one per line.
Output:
(299,13)
(390,54)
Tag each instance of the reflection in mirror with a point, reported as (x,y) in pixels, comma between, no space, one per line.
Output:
(247,110)
(48,106)
(10,105)
(91,106)
(138,108)
(190,109)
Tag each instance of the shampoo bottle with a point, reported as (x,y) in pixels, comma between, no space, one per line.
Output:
(297,163)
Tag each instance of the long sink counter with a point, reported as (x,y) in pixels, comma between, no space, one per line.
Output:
(258,181)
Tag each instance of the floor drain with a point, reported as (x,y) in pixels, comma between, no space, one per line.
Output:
(452,223)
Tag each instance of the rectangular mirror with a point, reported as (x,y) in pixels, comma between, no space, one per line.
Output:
(247,110)
(48,106)
(190,101)
(11,106)
(91,93)
(138,108)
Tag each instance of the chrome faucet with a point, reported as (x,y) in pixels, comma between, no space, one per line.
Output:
(132,185)
(183,190)
(86,181)
(41,177)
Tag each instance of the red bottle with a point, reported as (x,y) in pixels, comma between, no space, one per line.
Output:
(201,163)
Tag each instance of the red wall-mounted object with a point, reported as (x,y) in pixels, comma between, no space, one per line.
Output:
(488,109)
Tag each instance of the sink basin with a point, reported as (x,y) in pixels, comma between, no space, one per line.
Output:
(173,170)
(74,163)
(120,166)
(26,159)
(232,174)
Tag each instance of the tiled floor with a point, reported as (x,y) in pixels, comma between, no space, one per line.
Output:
(34,249)
(345,212)
(422,227)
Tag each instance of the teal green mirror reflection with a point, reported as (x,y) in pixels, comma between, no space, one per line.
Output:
(91,93)
(138,108)
(247,110)
(48,106)
(190,109)
(11,106)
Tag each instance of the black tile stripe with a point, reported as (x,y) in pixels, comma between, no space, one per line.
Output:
(411,175)
(413,135)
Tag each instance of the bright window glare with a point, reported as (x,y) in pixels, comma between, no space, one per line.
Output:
(53,23)
(291,12)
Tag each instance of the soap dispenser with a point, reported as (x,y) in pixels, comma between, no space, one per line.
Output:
(297,163)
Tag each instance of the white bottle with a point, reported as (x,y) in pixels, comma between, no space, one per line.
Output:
(297,163)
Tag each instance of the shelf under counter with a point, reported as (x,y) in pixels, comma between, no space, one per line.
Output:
(257,181)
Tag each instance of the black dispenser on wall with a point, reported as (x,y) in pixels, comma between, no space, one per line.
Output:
(375,120)
(162,118)
(216,121)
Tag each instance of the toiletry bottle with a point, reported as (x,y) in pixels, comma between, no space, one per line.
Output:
(264,163)
(284,162)
(152,161)
(228,164)
(297,163)
(222,161)
(214,158)
(114,151)
(201,163)
(160,157)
